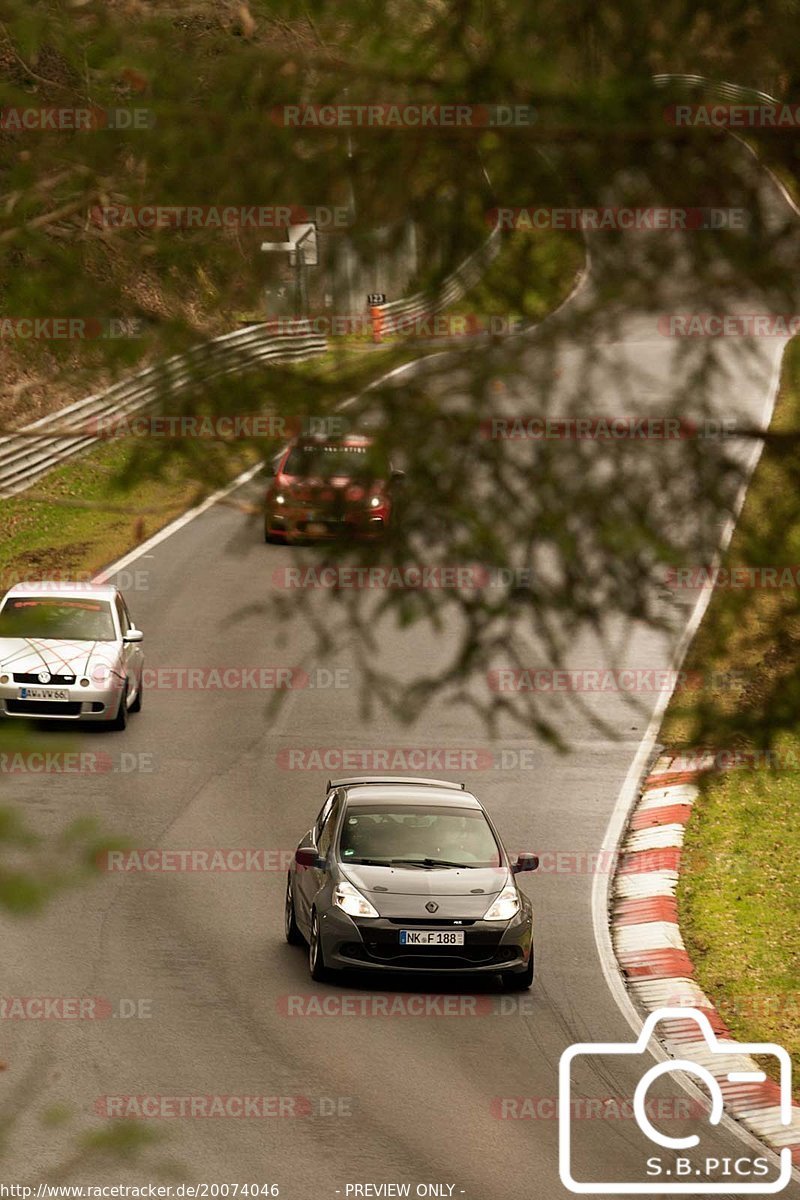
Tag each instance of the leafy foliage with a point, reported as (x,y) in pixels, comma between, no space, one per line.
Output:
(590,524)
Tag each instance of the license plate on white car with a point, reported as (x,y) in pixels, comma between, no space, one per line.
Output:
(34,693)
(431,937)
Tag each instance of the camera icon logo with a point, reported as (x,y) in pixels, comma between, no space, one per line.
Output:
(722,1061)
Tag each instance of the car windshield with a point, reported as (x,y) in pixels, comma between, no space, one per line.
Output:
(425,834)
(329,461)
(77,620)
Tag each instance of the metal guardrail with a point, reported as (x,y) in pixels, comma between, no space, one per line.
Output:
(726,91)
(423,304)
(34,450)
(30,452)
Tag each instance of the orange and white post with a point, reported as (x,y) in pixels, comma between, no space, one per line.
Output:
(376,313)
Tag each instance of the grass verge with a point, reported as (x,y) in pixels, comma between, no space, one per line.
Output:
(739,892)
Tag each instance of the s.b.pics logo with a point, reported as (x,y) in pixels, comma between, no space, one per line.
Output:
(677,1155)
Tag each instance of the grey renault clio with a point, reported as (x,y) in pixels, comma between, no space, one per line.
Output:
(408,875)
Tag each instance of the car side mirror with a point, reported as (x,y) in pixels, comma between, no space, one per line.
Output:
(307,856)
(133,635)
(525,862)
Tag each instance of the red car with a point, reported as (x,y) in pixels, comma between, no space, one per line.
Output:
(327,488)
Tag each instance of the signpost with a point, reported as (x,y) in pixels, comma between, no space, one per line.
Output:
(374,301)
(301,247)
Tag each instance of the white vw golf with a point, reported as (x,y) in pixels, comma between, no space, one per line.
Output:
(69,651)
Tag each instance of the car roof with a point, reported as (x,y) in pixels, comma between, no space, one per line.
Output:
(64,587)
(357,780)
(366,789)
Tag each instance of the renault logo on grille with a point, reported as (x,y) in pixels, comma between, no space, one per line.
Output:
(432,906)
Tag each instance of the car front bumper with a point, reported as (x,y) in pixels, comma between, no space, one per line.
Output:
(296,524)
(83,703)
(374,945)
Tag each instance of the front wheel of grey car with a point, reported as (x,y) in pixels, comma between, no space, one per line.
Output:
(293,935)
(519,981)
(316,958)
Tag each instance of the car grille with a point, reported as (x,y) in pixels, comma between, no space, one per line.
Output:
(331,524)
(33,677)
(442,958)
(44,708)
(431,922)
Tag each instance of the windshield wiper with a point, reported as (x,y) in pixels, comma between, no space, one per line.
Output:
(428,862)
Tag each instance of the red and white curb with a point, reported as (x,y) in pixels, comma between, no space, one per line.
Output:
(651,954)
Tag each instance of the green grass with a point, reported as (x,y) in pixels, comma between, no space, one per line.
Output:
(739,902)
(56,530)
(739,892)
(531,275)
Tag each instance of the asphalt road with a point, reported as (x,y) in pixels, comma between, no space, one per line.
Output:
(416,1099)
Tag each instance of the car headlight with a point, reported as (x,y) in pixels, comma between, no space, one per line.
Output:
(4,678)
(376,501)
(350,900)
(505,906)
(85,682)
(280,499)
